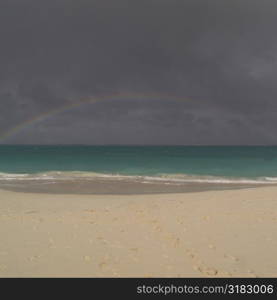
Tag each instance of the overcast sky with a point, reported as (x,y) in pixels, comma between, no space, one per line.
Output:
(219,54)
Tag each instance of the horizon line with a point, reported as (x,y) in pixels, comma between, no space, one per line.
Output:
(148,145)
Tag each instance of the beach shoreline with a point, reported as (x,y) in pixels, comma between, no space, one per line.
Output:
(229,233)
(110,186)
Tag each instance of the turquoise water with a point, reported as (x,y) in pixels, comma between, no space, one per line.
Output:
(175,162)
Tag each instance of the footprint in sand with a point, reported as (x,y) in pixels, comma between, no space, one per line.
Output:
(102,265)
(51,243)
(207,218)
(3,267)
(211,246)
(206,270)
(252,273)
(134,249)
(87,258)
(90,210)
(190,253)
(158,228)
(199,265)
(231,257)
(177,242)
(34,257)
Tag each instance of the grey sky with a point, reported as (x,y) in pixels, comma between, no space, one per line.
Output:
(221,54)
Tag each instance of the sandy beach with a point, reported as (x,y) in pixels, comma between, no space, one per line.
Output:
(229,233)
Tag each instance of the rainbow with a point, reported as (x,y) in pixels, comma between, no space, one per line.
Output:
(49,114)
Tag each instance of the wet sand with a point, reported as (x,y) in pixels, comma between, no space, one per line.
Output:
(107,186)
(230,233)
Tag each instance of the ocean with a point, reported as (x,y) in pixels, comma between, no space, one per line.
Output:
(41,168)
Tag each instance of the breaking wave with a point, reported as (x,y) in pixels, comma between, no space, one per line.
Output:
(159,178)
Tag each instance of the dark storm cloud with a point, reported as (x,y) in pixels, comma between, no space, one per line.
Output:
(221,54)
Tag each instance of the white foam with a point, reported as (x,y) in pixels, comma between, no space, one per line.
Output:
(162,178)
